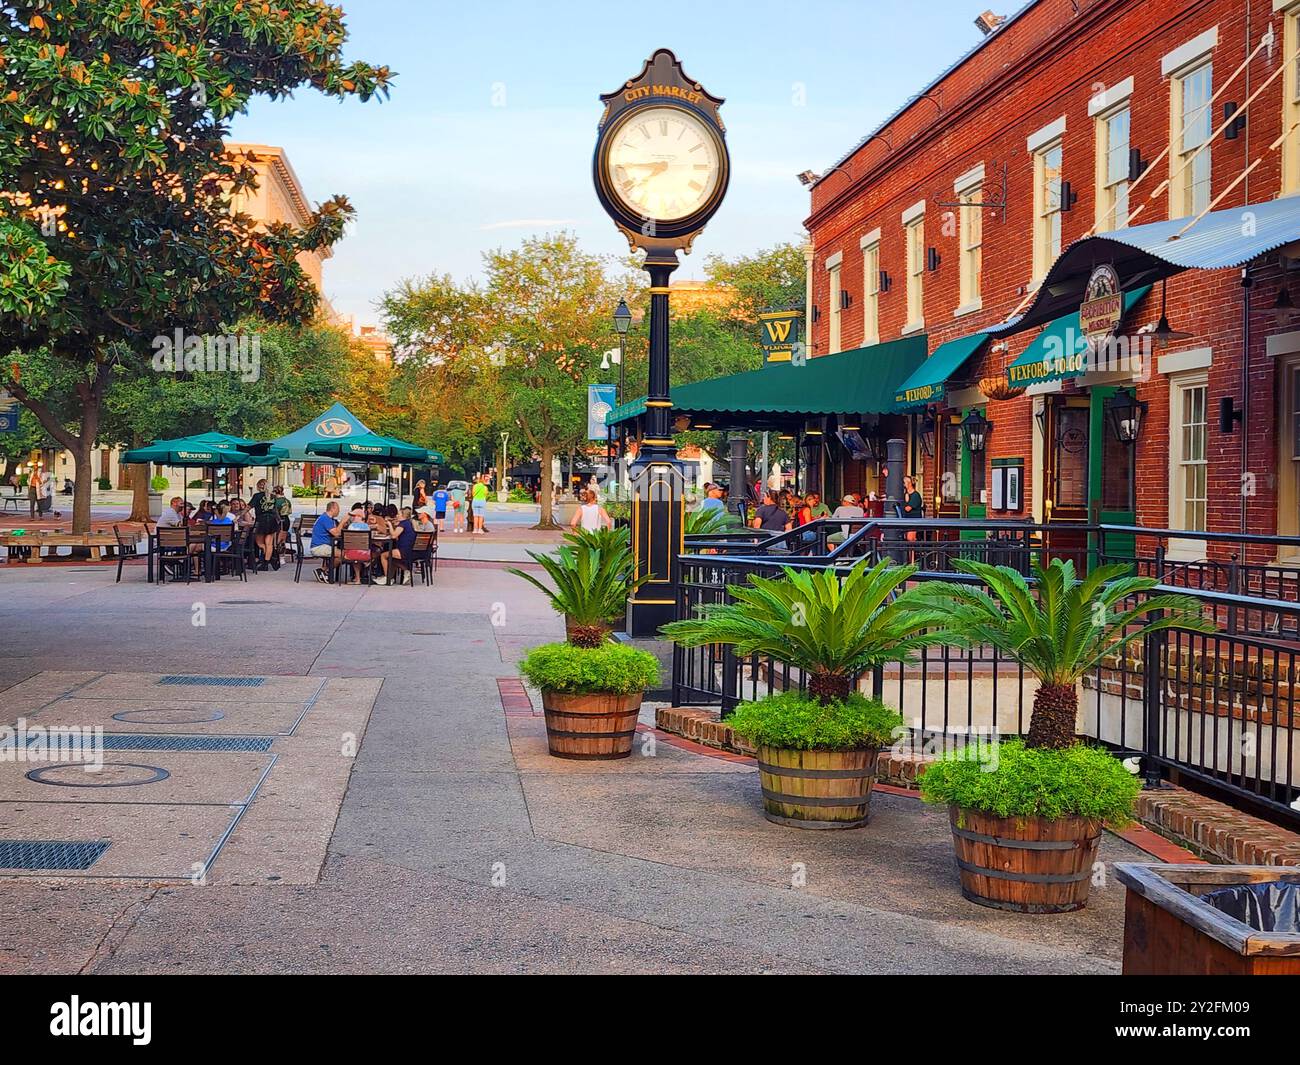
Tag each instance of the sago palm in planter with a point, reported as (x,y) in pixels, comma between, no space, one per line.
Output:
(591,576)
(592,689)
(1026,828)
(817,752)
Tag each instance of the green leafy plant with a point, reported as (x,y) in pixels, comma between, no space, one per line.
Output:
(1059,629)
(158,483)
(703,522)
(592,576)
(793,721)
(610,668)
(831,626)
(104,484)
(1035,782)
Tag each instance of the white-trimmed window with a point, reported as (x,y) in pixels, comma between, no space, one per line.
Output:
(1047,207)
(836,299)
(969,189)
(1189,191)
(1188,459)
(914,234)
(871,288)
(1291,99)
(1288,496)
(1112,168)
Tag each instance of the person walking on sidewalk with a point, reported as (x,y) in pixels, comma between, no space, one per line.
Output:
(35,491)
(479,495)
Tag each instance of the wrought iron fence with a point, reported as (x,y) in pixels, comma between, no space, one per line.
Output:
(1218,709)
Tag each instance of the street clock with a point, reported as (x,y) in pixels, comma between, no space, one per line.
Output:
(661,166)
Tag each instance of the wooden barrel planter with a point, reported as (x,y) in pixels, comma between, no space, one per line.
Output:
(1025,864)
(592,727)
(817,789)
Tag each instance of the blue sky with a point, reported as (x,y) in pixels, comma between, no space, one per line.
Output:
(488,135)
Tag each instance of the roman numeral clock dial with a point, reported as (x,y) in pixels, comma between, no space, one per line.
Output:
(663,163)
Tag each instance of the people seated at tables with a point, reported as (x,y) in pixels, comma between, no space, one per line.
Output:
(422,522)
(239,510)
(403,548)
(205,511)
(356,522)
(221,516)
(770,517)
(325,533)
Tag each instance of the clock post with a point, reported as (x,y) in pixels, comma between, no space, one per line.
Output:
(661,169)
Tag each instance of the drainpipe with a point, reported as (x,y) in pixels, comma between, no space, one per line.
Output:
(1246,282)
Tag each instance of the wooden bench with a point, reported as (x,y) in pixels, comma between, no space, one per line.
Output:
(12,497)
(35,541)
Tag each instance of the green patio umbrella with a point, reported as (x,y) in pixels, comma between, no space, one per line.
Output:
(371,447)
(202,451)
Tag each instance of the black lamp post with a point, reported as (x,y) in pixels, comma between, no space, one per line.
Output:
(975,430)
(1124,412)
(622,323)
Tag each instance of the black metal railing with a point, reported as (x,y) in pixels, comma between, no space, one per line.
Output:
(1218,708)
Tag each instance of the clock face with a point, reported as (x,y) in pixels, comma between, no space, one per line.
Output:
(663,163)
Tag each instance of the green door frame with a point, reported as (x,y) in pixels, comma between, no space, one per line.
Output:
(1097,430)
(971,508)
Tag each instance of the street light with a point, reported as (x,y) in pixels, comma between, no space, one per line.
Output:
(975,428)
(1125,414)
(503,493)
(622,323)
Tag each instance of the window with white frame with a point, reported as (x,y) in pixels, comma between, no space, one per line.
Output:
(915,234)
(871,292)
(1291,100)
(1112,168)
(1047,207)
(1189,159)
(1188,495)
(836,303)
(972,240)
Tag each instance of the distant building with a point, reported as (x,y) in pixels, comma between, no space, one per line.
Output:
(687,297)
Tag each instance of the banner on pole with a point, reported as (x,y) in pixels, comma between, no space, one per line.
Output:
(600,401)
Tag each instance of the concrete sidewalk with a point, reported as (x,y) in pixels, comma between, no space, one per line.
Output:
(461,846)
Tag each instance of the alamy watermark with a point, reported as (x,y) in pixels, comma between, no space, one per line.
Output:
(53,743)
(182,352)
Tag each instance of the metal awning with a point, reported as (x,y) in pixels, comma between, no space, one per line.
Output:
(929,382)
(861,381)
(1142,255)
(1058,351)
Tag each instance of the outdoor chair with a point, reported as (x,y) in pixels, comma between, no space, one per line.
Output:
(128,546)
(424,556)
(300,549)
(232,555)
(12,497)
(358,550)
(173,546)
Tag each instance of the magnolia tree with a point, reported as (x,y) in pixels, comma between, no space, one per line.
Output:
(116,219)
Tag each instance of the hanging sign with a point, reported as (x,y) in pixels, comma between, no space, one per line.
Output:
(1103,303)
(780,332)
(600,401)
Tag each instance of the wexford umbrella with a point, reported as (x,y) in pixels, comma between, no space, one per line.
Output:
(202,451)
(371,447)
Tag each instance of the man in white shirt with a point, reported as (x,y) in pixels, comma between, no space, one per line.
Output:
(170,518)
(848,508)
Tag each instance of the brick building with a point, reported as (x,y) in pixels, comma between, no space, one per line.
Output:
(1072,119)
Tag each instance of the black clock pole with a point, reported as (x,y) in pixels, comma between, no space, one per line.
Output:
(658,485)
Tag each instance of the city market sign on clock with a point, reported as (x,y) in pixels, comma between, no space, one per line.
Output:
(661,166)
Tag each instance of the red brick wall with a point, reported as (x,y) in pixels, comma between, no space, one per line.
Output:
(1048,63)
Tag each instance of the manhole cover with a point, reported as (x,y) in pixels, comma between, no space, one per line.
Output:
(175,715)
(216,682)
(110,775)
(50,855)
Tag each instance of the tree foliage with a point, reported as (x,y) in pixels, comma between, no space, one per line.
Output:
(116,222)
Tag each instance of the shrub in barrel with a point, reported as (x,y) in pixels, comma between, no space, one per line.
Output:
(817,749)
(1027,815)
(591,696)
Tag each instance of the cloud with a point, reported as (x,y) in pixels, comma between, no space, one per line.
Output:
(530,223)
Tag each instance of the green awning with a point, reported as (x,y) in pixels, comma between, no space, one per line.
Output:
(928,383)
(861,381)
(1058,351)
